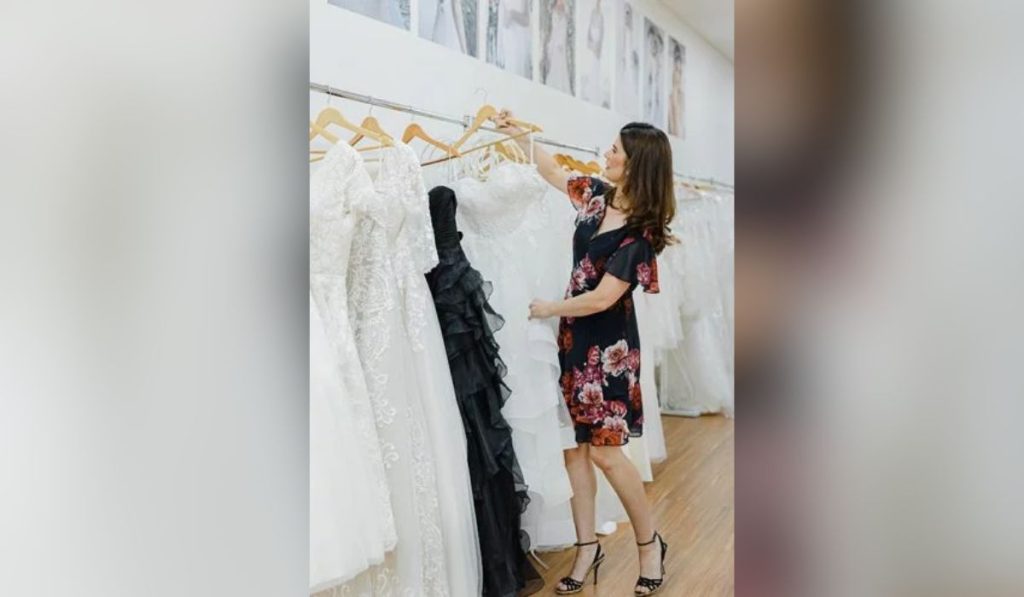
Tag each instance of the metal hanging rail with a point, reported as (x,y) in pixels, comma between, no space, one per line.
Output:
(464,121)
(711,181)
(373,101)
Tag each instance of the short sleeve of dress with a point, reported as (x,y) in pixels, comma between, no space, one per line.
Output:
(582,188)
(635,262)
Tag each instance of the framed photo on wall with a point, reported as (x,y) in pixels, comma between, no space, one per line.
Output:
(510,36)
(654,75)
(627,73)
(595,51)
(451,23)
(558,44)
(677,89)
(393,12)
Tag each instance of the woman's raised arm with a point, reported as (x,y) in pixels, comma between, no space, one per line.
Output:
(546,164)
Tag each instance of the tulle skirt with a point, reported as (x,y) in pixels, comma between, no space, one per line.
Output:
(500,496)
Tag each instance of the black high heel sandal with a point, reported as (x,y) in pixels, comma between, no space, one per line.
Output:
(653,585)
(574,586)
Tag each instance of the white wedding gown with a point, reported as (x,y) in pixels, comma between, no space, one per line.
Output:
(695,374)
(518,233)
(345,531)
(351,520)
(413,253)
(420,564)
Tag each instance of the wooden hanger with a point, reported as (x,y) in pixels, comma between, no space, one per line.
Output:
(314,131)
(504,150)
(567,161)
(415,131)
(533,128)
(369,123)
(504,144)
(478,148)
(331,115)
(488,112)
(485,113)
(571,163)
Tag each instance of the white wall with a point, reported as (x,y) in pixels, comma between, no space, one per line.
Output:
(360,54)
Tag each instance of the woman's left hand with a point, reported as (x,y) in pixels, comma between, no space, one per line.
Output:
(541,309)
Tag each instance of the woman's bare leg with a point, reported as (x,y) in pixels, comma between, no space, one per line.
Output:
(626,481)
(584,494)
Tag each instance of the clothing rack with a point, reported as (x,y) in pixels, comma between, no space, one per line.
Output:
(465,121)
(711,181)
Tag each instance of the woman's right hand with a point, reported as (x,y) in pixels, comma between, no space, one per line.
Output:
(546,165)
(503,122)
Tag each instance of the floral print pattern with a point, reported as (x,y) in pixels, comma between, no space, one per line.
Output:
(600,353)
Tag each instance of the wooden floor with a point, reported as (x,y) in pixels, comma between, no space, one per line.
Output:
(692,496)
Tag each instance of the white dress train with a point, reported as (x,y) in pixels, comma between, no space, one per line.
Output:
(345,534)
(411,237)
(348,484)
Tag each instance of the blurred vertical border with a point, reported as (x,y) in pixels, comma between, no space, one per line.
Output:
(153,250)
(878,287)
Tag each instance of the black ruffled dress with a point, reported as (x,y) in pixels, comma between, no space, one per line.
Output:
(468,325)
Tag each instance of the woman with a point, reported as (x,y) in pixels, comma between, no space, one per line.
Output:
(620,228)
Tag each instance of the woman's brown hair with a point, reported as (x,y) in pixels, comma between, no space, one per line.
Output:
(648,183)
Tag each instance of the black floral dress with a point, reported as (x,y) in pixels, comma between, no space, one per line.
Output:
(600,353)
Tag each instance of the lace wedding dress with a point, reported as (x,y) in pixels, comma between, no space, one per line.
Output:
(346,534)
(413,254)
(418,565)
(351,520)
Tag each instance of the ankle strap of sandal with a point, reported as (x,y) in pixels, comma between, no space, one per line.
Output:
(594,542)
(653,539)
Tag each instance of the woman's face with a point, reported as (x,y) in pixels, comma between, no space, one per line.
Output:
(615,162)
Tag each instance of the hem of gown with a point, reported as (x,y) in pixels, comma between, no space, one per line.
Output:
(339,581)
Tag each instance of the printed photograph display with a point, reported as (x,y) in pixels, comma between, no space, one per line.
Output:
(451,23)
(677,93)
(393,12)
(654,75)
(510,36)
(627,74)
(558,37)
(595,54)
